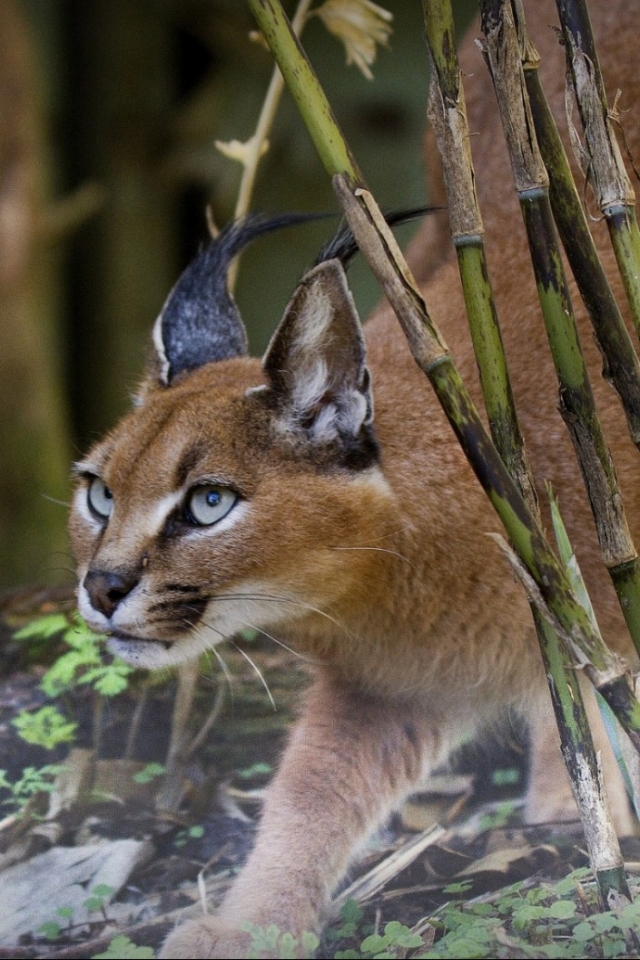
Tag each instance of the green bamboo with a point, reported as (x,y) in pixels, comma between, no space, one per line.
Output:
(492,364)
(305,89)
(448,117)
(625,239)
(502,52)
(622,368)
(577,404)
(430,351)
(576,744)
(606,169)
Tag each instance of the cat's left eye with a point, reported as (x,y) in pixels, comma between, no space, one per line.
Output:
(100,498)
(208,504)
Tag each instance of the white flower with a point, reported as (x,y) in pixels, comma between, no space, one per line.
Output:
(360,25)
(242,152)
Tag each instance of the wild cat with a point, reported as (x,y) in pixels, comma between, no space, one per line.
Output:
(320,495)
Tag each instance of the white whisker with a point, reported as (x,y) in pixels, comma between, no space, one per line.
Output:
(258,672)
(223,667)
(275,598)
(60,503)
(284,646)
(392,553)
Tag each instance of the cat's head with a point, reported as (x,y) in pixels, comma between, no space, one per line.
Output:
(234,493)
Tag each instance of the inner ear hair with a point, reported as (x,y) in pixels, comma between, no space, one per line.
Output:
(315,363)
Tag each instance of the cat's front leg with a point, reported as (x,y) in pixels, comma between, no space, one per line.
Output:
(350,760)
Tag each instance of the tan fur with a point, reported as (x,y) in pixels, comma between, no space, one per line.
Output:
(386,575)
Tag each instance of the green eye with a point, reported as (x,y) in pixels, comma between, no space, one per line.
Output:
(100,498)
(208,504)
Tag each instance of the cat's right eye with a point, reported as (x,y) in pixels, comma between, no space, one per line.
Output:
(209,503)
(99,498)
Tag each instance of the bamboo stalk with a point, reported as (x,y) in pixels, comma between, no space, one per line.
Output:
(621,366)
(448,117)
(427,344)
(502,49)
(257,142)
(430,352)
(305,88)
(606,170)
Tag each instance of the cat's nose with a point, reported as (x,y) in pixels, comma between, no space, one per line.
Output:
(107,588)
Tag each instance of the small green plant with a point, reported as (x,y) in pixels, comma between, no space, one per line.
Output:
(97,902)
(384,946)
(192,833)
(560,920)
(52,928)
(271,942)
(121,948)
(82,663)
(33,780)
(98,899)
(545,921)
(45,727)
(149,773)
(351,915)
(499,816)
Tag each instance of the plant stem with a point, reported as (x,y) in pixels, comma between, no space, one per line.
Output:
(430,352)
(622,368)
(606,170)
(448,117)
(305,89)
(259,138)
(447,113)
(427,344)
(505,42)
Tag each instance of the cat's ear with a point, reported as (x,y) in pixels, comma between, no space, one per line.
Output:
(315,364)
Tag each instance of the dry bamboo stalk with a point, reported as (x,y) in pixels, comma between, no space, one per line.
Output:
(448,117)
(503,49)
(604,165)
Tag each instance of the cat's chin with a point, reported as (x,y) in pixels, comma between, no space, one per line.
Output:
(150,654)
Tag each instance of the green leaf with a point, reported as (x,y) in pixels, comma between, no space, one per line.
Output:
(351,912)
(149,773)
(44,627)
(122,948)
(112,681)
(50,929)
(562,909)
(46,727)
(460,887)
(506,777)
(310,942)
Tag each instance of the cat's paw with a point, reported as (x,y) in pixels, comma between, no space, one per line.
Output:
(206,939)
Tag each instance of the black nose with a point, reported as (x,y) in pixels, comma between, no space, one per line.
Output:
(107,589)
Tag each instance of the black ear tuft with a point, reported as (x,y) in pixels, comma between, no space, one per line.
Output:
(343,246)
(200,322)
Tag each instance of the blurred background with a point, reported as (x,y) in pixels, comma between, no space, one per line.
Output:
(109,110)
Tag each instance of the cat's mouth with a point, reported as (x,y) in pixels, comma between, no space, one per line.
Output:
(135,650)
(120,636)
